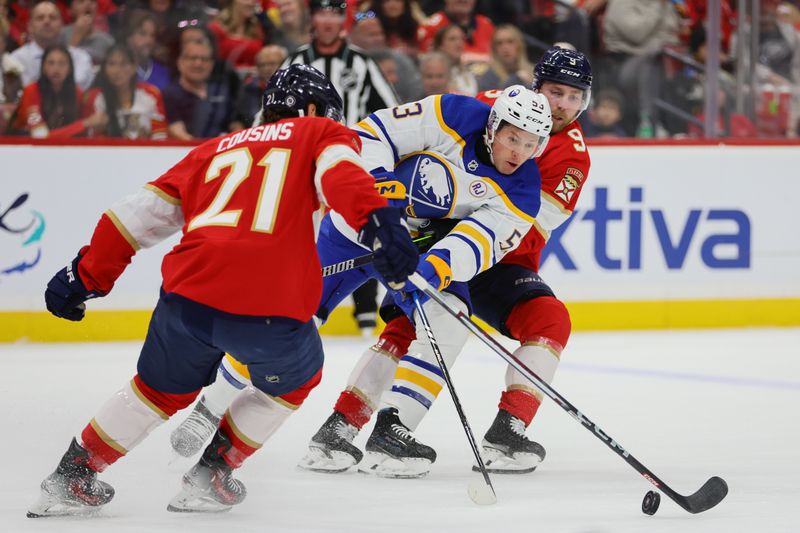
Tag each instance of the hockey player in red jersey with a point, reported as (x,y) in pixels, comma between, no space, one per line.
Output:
(510,296)
(245,278)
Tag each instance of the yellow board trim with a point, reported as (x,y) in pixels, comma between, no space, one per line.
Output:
(406,374)
(41,326)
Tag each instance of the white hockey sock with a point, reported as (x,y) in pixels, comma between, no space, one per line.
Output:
(232,377)
(372,375)
(418,379)
(540,357)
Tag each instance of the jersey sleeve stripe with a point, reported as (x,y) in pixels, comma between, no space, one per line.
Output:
(485,245)
(123,230)
(163,195)
(475,251)
(556,203)
(437,105)
(380,125)
(366,135)
(366,126)
(506,200)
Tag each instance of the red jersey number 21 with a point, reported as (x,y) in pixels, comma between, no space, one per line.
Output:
(240,162)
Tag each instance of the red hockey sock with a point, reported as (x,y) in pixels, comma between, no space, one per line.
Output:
(102,450)
(520,403)
(353,408)
(240,450)
(397,336)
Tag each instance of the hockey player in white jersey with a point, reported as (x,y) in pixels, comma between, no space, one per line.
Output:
(442,157)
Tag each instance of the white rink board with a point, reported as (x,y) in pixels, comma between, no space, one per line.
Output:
(731,201)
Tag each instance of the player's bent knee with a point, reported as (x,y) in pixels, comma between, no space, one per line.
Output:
(544,316)
(168,403)
(299,395)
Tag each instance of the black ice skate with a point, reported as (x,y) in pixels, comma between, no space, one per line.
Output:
(331,450)
(506,449)
(188,438)
(209,486)
(392,451)
(73,489)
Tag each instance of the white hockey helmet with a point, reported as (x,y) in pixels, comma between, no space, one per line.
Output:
(523,108)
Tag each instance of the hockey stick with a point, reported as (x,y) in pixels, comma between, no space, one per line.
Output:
(361,260)
(710,494)
(480,494)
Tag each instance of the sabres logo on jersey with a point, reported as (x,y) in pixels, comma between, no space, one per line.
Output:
(431,184)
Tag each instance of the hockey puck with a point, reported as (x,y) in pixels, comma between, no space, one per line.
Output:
(650,503)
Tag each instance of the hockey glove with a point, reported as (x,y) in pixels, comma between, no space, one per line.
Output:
(434,267)
(66,293)
(386,233)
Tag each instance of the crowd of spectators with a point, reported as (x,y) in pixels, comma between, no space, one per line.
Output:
(187,69)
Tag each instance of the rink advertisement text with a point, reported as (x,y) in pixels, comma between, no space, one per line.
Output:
(653,223)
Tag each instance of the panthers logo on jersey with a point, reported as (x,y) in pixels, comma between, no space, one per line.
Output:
(430,183)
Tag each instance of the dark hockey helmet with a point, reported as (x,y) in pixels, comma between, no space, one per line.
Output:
(561,65)
(570,67)
(296,86)
(336,5)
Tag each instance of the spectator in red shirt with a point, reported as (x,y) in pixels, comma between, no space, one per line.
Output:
(477,28)
(135,109)
(50,105)
(239,32)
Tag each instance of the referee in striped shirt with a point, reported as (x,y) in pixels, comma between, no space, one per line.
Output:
(357,78)
(364,90)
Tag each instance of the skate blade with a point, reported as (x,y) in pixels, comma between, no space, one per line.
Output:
(326,461)
(382,465)
(497,462)
(48,506)
(189,503)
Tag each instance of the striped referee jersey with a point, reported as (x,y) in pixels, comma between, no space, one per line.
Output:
(357,78)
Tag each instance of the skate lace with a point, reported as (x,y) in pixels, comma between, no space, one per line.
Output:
(198,425)
(345,430)
(403,432)
(517,426)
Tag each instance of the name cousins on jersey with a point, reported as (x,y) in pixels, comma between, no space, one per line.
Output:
(267,132)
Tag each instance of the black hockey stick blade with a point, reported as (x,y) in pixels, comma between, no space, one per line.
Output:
(710,494)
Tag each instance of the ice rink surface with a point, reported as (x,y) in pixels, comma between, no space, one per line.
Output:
(687,404)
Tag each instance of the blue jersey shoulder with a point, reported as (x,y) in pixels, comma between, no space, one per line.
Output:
(463,114)
(522,188)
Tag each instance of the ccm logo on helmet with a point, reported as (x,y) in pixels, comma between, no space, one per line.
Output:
(571,73)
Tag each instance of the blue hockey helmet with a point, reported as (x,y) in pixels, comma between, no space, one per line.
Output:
(296,86)
(569,67)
